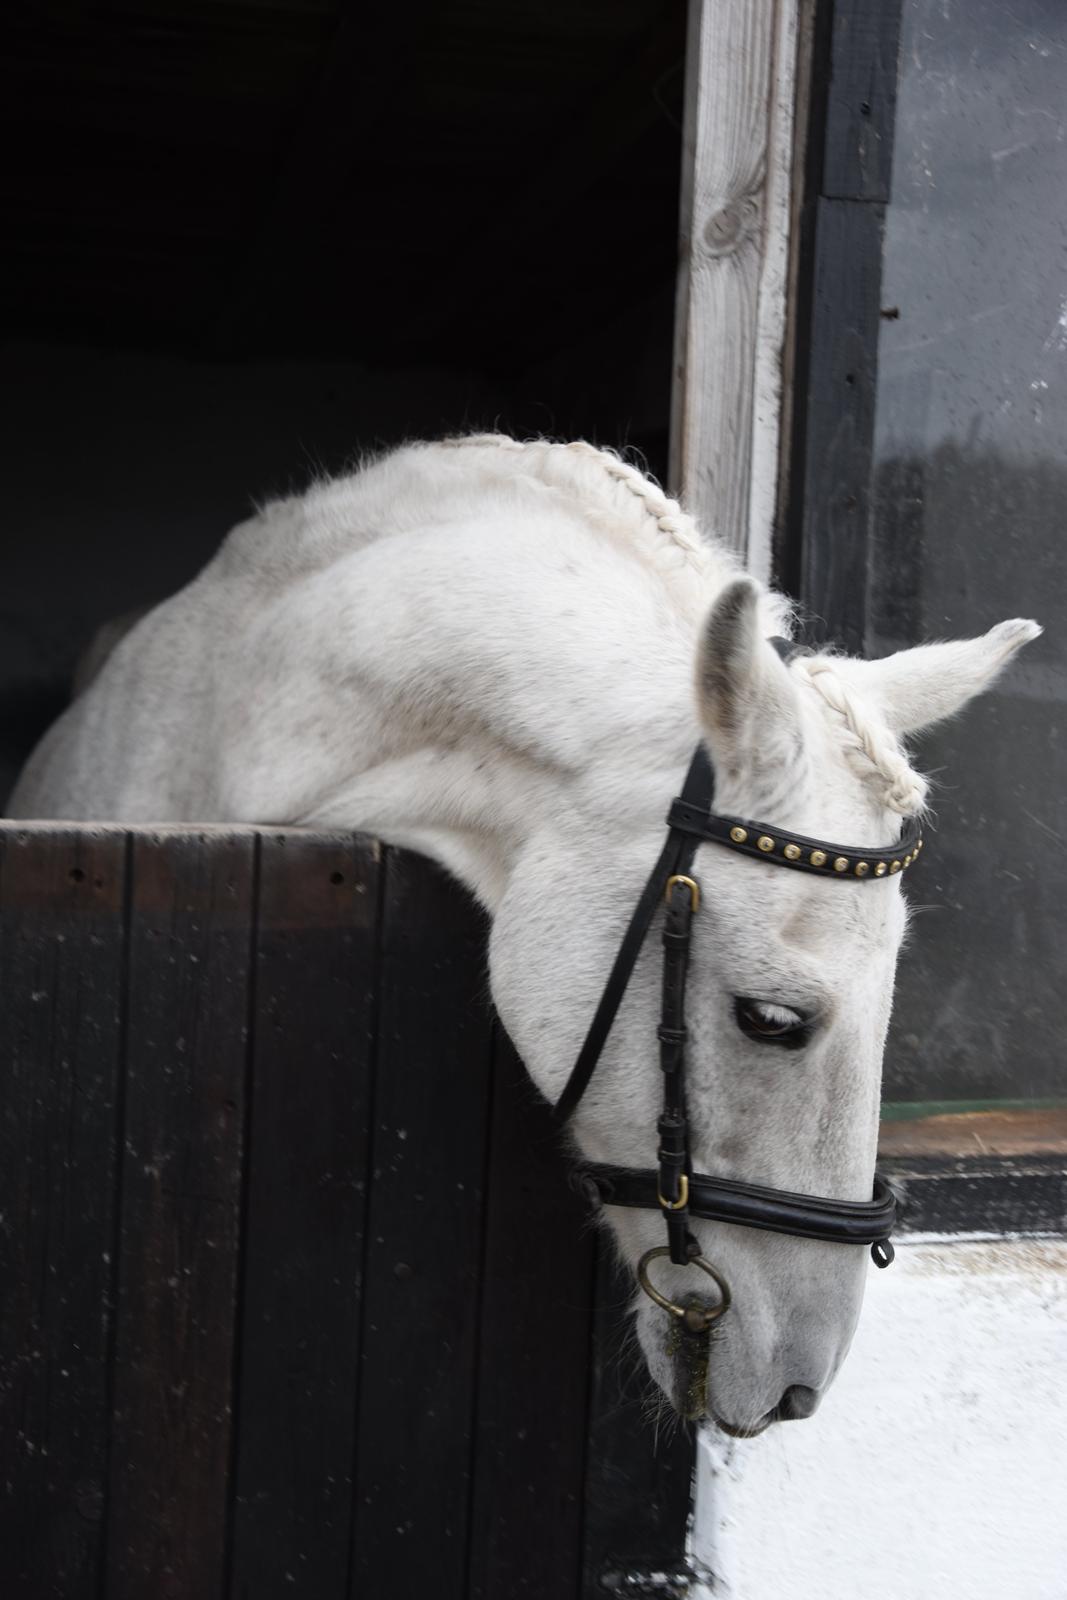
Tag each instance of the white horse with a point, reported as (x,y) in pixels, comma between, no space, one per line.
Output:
(502,655)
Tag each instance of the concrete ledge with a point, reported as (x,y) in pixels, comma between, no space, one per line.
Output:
(935,1466)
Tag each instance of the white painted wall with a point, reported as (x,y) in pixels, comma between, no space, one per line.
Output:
(936,1468)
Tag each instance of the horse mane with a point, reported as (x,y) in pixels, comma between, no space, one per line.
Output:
(622,504)
(603,483)
(870,748)
(598,480)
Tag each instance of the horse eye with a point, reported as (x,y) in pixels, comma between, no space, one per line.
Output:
(771,1024)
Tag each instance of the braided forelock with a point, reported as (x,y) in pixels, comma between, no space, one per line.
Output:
(870,748)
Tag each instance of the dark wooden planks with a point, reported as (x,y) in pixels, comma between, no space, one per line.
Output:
(533,1397)
(189,942)
(249,1006)
(61,959)
(420,1317)
(639,1469)
(309,1086)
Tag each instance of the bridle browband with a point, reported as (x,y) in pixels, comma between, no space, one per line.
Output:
(673,1188)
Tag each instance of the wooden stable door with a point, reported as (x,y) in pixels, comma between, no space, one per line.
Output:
(298,1296)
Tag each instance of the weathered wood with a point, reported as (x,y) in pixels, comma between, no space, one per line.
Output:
(995,1131)
(419,1350)
(823,553)
(189,957)
(457,1453)
(638,1473)
(533,1378)
(858,145)
(730,323)
(61,965)
(311,1052)
(839,419)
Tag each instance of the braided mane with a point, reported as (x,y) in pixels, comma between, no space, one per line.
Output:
(872,751)
(606,484)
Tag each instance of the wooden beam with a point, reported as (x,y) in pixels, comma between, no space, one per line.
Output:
(730,321)
(823,554)
(991,1132)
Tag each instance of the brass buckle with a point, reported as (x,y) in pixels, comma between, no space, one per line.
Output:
(683,1196)
(697,1318)
(691,884)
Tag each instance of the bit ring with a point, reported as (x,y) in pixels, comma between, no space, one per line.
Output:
(706,1314)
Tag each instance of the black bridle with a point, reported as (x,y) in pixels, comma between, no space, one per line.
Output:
(673,1188)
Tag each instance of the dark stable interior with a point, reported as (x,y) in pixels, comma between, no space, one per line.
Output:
(248,241)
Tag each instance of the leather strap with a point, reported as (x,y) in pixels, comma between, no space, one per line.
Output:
(697,790)
(673,1125)
(750,1205)
(764,842)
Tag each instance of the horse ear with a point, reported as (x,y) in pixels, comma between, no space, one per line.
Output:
(915,688)
(748,702)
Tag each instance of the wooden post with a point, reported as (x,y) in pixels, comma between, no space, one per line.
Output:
(737,159)
(824,549)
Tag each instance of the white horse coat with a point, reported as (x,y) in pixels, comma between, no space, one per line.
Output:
(502,655)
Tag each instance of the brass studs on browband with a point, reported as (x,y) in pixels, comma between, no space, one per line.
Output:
(821,858)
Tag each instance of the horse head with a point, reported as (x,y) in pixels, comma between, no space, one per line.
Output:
(789,989)
(502,655)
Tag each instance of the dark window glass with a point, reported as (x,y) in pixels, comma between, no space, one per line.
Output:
(971,527)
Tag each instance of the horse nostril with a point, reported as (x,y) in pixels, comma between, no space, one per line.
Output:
(798,1401)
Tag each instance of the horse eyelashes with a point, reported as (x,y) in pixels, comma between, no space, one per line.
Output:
(757,1019)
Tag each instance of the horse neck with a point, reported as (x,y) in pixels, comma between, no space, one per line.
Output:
(556,687)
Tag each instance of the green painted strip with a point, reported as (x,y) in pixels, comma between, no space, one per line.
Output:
(912,1110)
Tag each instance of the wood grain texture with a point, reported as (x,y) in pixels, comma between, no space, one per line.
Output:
(839,420)
(533,1378)
(974,1134)
(823,553)
(419,1345)
(858,148)
(638,1472)
(189,949)
(311,1062)
(61,965)
(734,255)
(206,1191)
